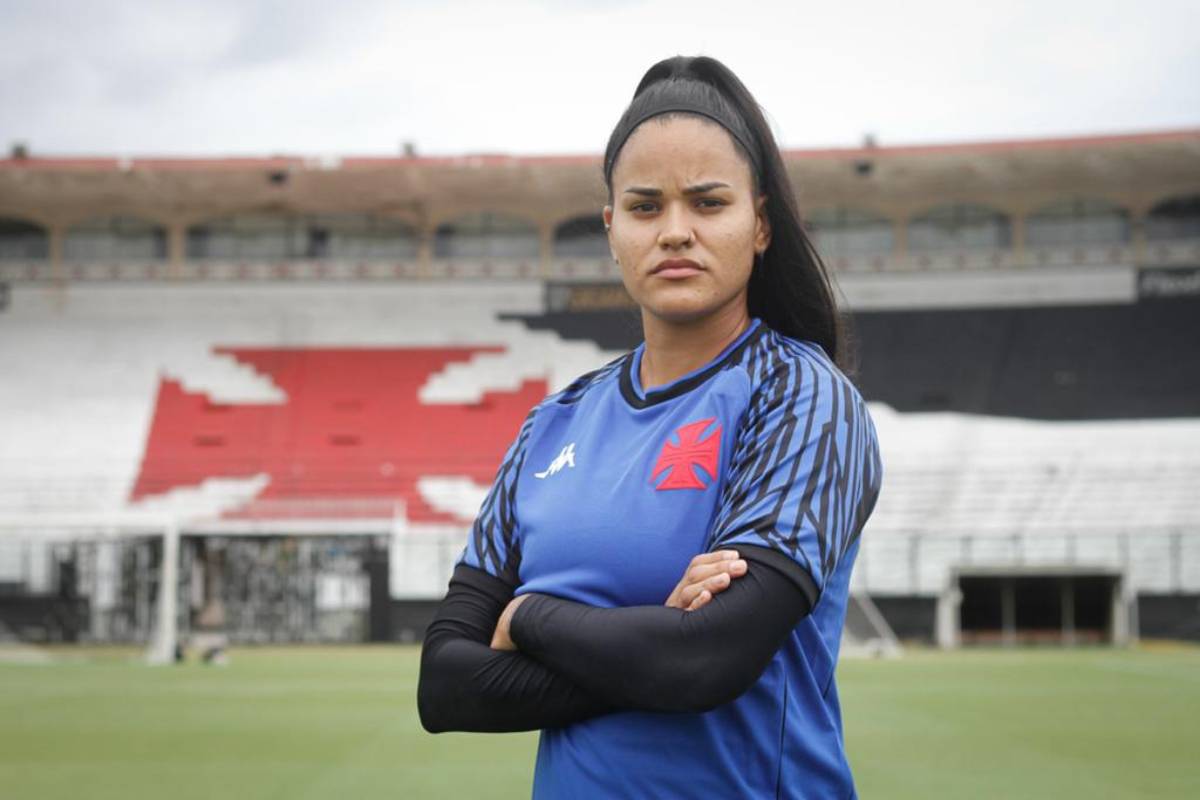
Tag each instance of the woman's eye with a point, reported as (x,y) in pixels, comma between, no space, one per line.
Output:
(705,202)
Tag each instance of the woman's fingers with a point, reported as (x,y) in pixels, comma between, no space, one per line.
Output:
(714,560)
(716,555)
(714,584)
(705,571)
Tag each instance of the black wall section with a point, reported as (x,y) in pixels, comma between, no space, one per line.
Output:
(44,618)
(1130,361)
(910,617)
(410,618)
(614,329)
(1169,616)
(379,617)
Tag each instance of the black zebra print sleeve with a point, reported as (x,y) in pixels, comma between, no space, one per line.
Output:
(806,471)
(493,545)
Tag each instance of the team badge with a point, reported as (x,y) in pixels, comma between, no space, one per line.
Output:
(679,461)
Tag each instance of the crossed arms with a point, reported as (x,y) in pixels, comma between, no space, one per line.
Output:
(576,661)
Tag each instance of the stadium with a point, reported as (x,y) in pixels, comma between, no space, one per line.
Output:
(249,404)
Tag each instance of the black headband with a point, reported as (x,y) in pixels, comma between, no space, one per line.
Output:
(690,108)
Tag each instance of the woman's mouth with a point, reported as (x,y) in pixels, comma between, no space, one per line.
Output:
(676,268)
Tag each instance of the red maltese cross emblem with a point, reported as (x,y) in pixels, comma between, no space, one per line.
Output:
(680,460)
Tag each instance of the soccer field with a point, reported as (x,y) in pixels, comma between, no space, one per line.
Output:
(341,723)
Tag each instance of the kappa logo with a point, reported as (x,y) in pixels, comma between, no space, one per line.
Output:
(565,458)
(681,459)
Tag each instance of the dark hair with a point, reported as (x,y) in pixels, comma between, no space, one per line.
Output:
(789,287)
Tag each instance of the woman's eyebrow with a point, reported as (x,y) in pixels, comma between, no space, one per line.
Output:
(699,188)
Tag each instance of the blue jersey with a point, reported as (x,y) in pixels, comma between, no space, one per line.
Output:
(608,492)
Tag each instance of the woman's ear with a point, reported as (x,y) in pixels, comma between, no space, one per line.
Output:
(607,214)
(762,226)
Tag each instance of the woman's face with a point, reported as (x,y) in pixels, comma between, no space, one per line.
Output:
(682,193)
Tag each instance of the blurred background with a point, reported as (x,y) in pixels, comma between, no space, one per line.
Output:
(279,282)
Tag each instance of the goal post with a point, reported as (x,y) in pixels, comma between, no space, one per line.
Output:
(276,572)
(165,638)
(39,534)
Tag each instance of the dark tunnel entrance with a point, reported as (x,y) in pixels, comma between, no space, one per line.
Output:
(1015,608)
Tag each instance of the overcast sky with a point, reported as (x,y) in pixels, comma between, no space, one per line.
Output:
(358,77)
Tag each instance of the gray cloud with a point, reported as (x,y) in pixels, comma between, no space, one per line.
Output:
(309,76)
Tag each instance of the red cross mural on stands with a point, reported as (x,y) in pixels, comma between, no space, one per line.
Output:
(351,429)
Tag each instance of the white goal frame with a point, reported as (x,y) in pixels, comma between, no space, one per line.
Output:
(101,526)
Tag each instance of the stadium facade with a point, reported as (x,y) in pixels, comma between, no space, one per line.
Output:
(282,386)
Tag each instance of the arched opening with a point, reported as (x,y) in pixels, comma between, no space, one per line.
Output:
(287,237)
(849,233)
(23,241)
(115,238)
(486,235)
(360,237)
(581,237)
(1080,221)
(959,226)
(1174,218)
(249,237)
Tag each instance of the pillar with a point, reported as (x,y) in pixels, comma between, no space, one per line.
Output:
(176,249)
(545,248)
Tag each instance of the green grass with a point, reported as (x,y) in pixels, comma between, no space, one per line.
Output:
(342,723)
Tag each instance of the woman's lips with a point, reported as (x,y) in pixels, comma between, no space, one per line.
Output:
(675,269)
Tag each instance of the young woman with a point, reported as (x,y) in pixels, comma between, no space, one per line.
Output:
(728,447)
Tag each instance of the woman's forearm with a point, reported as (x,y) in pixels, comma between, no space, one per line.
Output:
(656,658)
(465,685)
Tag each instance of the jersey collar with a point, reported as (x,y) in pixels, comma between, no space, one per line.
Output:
(631,388)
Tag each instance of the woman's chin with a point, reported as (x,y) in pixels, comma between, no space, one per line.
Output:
(681,309)
(679,304)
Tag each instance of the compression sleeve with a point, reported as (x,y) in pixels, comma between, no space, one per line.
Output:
(465,685)
(655,658)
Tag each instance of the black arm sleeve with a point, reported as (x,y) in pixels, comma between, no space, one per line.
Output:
(465,685)
(655,658)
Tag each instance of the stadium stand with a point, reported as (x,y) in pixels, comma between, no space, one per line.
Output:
(224,384)
(309,405)
(213,403)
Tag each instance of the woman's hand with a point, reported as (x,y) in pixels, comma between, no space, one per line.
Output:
(707,574)
(500,638)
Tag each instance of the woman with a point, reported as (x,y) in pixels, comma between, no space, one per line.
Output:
(728,443)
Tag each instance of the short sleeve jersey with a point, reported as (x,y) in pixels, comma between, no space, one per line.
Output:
(607,493)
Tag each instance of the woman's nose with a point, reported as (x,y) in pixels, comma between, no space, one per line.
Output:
(676,230)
